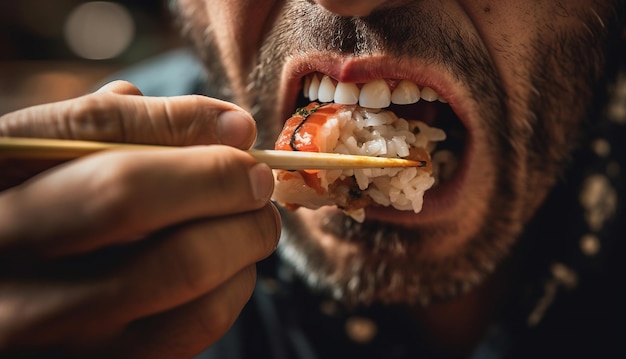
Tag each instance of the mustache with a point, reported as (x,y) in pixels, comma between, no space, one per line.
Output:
(400,31)
(409,31)
(412,32)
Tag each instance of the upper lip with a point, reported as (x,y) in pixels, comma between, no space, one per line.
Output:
(365,69)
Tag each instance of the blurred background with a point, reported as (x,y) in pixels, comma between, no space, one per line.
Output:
(51,50)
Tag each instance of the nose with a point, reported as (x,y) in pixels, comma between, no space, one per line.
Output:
(351,7)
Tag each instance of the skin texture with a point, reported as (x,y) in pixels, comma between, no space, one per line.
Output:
(115,251)
(506,67)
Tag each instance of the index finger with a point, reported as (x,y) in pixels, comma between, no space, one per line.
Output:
(118,196)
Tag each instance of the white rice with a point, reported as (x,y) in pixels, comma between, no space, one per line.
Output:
(369,132)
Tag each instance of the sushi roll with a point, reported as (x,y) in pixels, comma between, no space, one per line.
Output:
(351,129)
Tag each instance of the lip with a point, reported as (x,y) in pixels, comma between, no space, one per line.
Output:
(437,200)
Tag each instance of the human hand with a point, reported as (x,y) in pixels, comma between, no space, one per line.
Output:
(132,253)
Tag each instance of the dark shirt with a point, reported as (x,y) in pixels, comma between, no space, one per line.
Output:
(567,302)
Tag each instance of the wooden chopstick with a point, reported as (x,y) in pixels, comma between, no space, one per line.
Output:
(42,148)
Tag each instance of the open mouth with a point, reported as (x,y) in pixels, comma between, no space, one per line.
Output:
(407,100)
(402,90)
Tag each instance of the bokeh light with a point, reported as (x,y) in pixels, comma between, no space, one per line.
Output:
(99,30)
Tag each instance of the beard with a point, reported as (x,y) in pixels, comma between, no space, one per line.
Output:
(531,137)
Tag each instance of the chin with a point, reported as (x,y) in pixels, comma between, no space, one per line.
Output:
(467,223)
(381,261)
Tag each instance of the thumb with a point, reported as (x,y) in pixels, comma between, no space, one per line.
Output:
(117,113)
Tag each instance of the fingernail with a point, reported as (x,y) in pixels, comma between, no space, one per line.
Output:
(261,181)
(236,129)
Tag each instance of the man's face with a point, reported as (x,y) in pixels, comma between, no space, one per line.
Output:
(515,78)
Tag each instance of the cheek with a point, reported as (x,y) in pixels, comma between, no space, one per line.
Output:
(239,26)
(513,30)
(507,31)
(237,30)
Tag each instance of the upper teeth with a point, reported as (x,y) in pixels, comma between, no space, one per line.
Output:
(373,94)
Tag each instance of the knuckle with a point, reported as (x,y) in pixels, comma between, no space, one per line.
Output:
(196,264)
(118,191)
(190,266)
(7,328)
(93,117)
(23,322)
(197,119)
(229,180)
(184,125)
(248,280)
(200,109)
(218,320)
(268,225)
(216,323)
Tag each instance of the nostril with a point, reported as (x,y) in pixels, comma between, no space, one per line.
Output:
(351,7)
